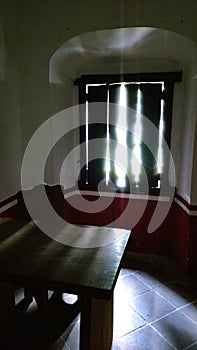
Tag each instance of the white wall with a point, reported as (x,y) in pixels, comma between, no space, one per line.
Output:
(10,131)
(187,178)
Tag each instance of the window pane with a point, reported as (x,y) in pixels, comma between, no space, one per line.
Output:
(94,170)
(151,109)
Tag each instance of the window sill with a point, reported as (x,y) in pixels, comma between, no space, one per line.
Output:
(88,191)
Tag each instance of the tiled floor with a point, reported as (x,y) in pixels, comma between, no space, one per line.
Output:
(155,307)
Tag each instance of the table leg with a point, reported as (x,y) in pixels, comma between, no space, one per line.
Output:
(28,296)
(7,304)
(96,328)
(41,297)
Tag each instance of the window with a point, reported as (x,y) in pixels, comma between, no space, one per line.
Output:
(125,160)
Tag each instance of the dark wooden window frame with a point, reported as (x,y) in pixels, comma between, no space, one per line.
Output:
(169,79)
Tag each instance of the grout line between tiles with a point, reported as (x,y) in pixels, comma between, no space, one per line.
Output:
(68,348)
(161,335)
(131,332)
(117,342)
(189,346)
(169,302)
(125,275)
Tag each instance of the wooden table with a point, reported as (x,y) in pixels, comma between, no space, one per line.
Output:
(30,258)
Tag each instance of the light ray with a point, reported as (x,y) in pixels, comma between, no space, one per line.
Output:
(121,154)
(136,160)
(107,159)
(161,130)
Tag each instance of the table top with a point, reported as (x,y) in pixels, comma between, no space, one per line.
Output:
(30,257)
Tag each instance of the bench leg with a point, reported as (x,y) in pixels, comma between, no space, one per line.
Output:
(96,328)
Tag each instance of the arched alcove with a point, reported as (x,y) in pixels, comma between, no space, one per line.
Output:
(131,50)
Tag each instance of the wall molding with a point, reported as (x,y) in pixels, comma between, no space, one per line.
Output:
(73,192)
(191,210)
(188,208)
(8,203)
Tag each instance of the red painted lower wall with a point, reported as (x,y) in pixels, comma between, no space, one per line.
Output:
(124,213)
(176,236)
(192,249)
(185,237)
(158,242)
(181,222)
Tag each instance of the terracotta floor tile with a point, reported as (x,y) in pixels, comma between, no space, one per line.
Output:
(177,293)
(190,311)
(115,346)
(151,279)
(151,306)
(130,286)
(125,319)
(178,329)
(192,347)
(145,338)
(71,336)
(59,345)
(125,272)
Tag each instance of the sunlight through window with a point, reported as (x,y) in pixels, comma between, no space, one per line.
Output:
(121,154)
(136,154)
(126,162)
(86,140)
(161,130)
(107,159)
